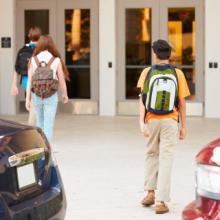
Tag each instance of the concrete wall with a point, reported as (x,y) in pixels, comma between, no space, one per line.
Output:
(7,15)
(212,54)
(107,44)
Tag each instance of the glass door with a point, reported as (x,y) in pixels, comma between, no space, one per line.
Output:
(78,25)
(137,26)
(142,22)
(74,27)
(77,52)
(182,25)
(138,46)
(31,13)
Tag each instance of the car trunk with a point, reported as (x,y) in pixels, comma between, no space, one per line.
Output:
(24,165)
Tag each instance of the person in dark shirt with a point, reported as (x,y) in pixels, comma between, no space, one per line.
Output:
(21,67)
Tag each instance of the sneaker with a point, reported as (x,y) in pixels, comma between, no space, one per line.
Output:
(148,200)
(161,208)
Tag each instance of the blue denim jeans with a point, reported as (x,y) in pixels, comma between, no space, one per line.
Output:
(45,110)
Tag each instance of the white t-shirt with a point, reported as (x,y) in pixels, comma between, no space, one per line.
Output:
(46,56)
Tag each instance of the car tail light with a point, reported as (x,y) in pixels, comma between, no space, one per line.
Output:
(208,179)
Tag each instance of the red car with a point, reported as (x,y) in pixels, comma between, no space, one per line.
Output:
(207,203)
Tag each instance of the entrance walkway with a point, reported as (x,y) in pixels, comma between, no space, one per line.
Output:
(102,164)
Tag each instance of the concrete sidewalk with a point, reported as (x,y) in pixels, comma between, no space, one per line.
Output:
(102,164)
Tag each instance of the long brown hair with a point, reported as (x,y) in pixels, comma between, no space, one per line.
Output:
(46,42)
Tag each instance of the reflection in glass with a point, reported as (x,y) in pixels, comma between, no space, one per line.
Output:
(181,34)
(138,47)
(39,18)
(77,47)
(79,85)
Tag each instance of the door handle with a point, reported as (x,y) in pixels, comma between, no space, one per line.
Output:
(26,157)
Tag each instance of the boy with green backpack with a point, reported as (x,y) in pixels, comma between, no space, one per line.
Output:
(162,104)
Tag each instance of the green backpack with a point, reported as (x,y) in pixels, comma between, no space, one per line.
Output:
(160,92)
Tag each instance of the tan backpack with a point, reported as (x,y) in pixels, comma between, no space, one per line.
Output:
(44,84)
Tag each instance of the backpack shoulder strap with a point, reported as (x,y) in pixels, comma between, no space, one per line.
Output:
(149,72)
(50,61)
(37,61)
(22,49)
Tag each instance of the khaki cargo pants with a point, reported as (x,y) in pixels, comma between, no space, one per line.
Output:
(159,156)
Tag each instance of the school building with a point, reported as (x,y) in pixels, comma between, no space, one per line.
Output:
(107,43)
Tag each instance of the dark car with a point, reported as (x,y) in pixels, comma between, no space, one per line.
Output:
(30,183)
(207,203)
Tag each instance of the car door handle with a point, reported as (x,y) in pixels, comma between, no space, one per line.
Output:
(26,157)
